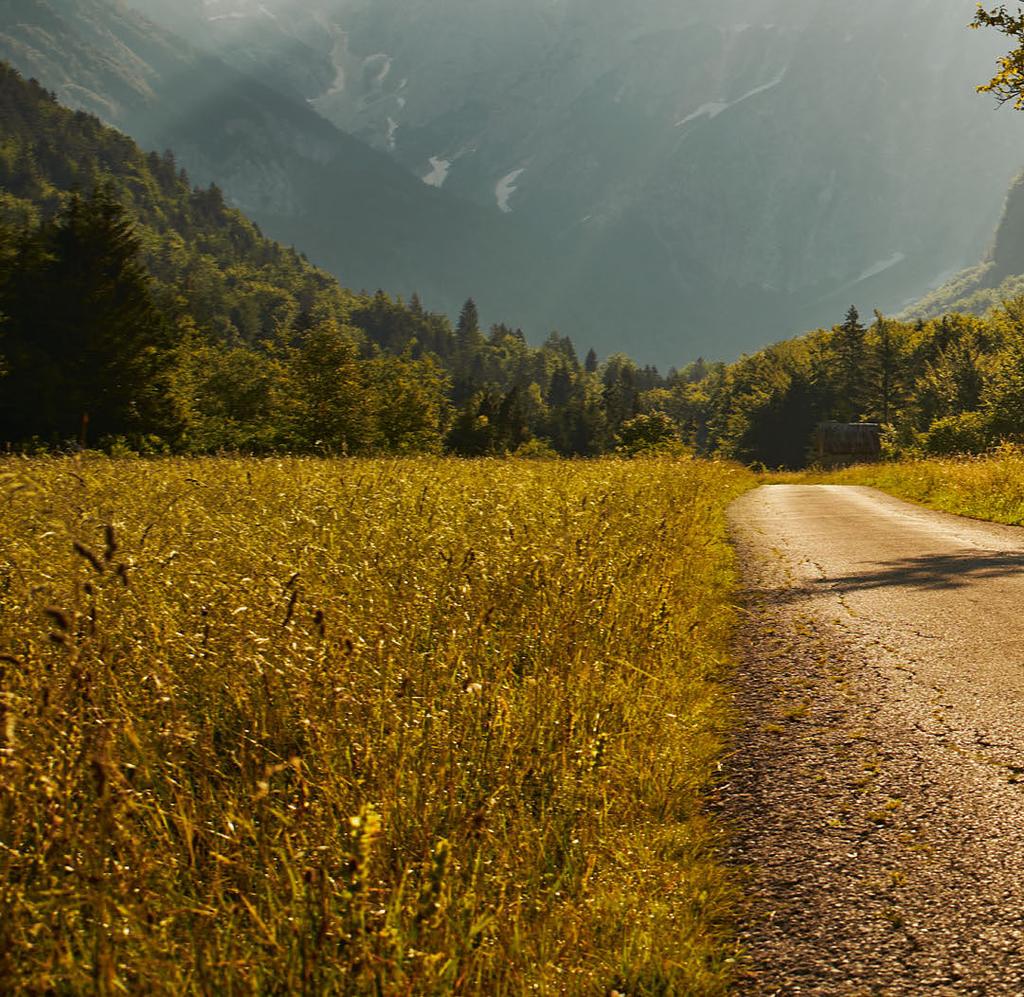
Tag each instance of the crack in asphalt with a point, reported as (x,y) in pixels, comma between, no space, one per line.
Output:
(883,652)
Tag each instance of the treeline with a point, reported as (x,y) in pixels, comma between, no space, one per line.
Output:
(96,352)
(97,349)
(950,385)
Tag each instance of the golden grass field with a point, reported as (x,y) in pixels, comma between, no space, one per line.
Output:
(394,727)
(989,487)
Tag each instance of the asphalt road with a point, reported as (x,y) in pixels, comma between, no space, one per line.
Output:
(878,783)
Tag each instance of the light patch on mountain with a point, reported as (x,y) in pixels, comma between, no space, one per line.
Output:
(506,187)
(713,109)
(439,169)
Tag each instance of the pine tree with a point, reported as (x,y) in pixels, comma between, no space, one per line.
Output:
(467,331)
(886,366)
(469,362)
(850,373)
(88,347)
(590,364)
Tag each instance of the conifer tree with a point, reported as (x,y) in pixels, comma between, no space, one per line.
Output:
(851,375)
(886,367)
(88,347)
(469,364)
(467,331)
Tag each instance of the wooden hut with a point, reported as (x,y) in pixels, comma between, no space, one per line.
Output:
(836,444)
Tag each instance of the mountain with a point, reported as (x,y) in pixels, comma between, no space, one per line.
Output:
(997,278)
(138,310)
(148,304)
(352,209)
(208,261)
(673,178)
(706,174)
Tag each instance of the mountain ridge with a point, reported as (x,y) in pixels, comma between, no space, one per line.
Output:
(706,176)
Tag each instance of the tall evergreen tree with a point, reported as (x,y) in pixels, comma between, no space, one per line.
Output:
(87,345)
(467,332)
(469,361)
(887,368)
(850,371)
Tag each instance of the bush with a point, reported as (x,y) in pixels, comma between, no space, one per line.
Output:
(966,433)
(651,434)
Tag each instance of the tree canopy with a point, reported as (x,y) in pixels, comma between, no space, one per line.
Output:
(1007,84)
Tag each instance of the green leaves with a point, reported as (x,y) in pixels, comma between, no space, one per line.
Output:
(1007,84)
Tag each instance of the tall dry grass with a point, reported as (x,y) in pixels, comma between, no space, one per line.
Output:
(415,727)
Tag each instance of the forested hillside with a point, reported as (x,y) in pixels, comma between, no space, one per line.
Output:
(350,208)
(137,306)
(140,311)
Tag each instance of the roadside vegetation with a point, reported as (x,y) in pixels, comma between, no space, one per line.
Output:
(363,726)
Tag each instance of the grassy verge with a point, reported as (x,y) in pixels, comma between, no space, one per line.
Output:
(362,726)
(989,487)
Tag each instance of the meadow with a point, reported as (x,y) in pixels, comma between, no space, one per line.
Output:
(363,726)
(989,487)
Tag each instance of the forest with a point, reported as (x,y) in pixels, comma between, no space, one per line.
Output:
(141,314)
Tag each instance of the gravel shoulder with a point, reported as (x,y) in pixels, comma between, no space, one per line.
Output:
(878,788)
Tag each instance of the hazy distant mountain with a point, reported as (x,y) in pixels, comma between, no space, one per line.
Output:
(998,277)
(352,209)
(674,176)
(712,172)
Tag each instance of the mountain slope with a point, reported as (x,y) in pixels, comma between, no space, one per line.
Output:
(997,278)
(350,208)
(139,310)
(208,260)
(136,308)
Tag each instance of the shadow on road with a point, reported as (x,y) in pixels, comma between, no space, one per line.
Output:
(929,572)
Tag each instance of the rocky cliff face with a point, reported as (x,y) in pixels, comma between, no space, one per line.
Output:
(673,177)
(997,278)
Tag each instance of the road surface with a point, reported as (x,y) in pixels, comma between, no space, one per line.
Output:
(878,789)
